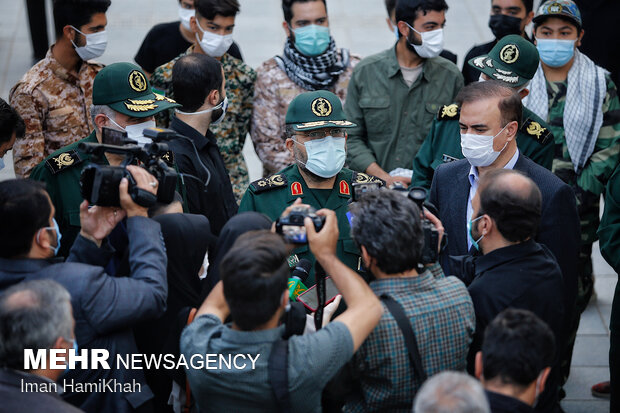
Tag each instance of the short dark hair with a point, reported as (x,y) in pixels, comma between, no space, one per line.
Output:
(76,13)
(390,5)
(515,209)
(211,8)
(255,274)
(510,105)
(408,10)
(193,77)
(10,122)
(528,4)
(388,225)
(24,209)
(35,320)
(287,8)
(517,347)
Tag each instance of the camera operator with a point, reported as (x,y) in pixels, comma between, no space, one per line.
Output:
(254,292)
(200,87)
(437,310)
(122,100)
(104,307)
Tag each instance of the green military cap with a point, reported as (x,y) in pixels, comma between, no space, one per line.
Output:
(124,88)
(565,9)
(315,110)
(512,61)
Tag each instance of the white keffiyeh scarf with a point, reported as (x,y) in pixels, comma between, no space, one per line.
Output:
(583,114)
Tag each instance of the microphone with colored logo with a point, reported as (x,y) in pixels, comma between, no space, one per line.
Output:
(298,276)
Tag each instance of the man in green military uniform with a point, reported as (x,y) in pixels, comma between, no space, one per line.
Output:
(512,62)
(316,137)
(122,100)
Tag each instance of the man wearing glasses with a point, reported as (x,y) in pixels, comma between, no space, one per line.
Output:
(316,137)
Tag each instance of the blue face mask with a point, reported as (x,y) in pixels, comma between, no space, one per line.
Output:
(1,164)
(58,236)
(326,156)
(75,347)
(555,52)
(312,40)
(474,242)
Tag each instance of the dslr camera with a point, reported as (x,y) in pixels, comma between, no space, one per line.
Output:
(292,226)
(99,183)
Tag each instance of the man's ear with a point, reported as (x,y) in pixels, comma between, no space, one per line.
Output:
(543,376)
(528,18)
(580,37)
(42,239)
(366,258)
(285,298)
(69,33)
(290,145)
(478,366)
(512,128)
(193,24)
(523,93)
(403,29)
(287,29)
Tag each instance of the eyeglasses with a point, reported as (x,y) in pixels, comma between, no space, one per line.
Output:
(336,133)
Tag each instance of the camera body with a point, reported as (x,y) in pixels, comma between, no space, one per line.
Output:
(99,183)
(292,226)
(431,236)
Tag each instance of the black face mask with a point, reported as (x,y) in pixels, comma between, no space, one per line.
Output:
(502,25)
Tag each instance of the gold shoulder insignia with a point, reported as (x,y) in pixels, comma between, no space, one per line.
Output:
(362,178)
(63,161)
(535,130)
(168,157)
(271,182)
(448,112)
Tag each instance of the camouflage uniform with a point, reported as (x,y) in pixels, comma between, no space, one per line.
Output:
(273,92)
(232,131)
(55,104)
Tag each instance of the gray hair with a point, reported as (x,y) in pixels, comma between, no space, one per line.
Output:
(101,109)
(33,315)
(451,392)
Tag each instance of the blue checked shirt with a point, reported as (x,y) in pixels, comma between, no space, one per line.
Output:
(443,320)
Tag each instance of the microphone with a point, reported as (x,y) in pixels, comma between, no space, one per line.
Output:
(298,276)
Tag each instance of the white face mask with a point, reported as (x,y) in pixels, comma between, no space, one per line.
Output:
(95,45)
(432,43)
(185,15)
(134,132)
(478,149)
(222,105)
(213,44)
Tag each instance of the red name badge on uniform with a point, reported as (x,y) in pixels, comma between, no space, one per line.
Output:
(296,189)
(344,188)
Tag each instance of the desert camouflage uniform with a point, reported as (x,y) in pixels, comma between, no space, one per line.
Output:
(232,131)
(55,105)
(273,92)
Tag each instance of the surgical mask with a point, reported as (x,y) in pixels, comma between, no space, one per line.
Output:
(474,242)
(185,15)
(432,43)
(58,236)
(396,32)
(326,156)
(95,45)
(478,149)
(502,25)
(134,132)
(555,52)
(312,40)
(1,163)
(75,349)
(223,106)
(213,44)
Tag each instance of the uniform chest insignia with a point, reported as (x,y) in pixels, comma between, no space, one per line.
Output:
(168,157)
(344,188)
(271,182)
(63,161)
(448,112)
(362,178)
(296,189)
(447,158)
(536,131)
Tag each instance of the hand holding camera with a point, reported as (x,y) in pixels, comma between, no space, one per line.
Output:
(291,222)
(323,241)
(143,184)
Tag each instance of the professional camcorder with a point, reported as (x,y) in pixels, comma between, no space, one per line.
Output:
(99,183)
(291,226)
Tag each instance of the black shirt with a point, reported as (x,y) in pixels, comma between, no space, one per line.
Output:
(505,404)
(217,203)
(163,43)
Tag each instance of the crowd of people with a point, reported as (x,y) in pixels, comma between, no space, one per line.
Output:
(421,239)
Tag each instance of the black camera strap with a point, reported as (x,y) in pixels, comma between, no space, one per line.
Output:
(411,343)
(278,374)
(319,275)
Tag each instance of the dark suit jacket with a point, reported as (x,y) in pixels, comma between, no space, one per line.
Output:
(559,225)
(16,398)
(105,307)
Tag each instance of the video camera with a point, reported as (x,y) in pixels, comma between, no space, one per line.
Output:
(99,183)
(418,195)
(291,226)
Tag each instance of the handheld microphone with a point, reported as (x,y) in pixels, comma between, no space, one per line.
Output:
(298,276)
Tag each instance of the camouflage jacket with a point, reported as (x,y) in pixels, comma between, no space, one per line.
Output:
(591,182)
(232,131)
(55,104)
(273,93)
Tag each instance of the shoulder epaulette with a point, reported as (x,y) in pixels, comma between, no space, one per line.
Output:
(63,161)
(362,178)
(535,130)
(448,112)
(271,182)
(168,157)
